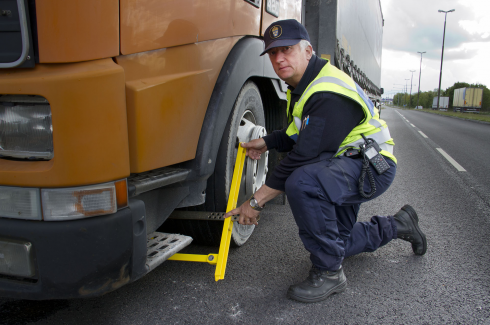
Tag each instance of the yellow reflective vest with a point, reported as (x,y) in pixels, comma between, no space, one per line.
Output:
(331,79)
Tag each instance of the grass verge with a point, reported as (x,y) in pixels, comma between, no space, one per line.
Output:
(485,117)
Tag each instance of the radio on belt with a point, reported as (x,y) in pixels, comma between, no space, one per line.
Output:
(370,149)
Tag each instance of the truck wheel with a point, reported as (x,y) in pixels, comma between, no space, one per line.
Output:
(246,122)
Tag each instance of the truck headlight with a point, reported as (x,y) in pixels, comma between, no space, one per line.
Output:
(26,130)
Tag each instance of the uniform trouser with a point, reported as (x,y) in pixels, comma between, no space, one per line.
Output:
(324,198)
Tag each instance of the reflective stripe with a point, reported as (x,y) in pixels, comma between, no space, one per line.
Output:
(342,83)
(297,121)
(380,137)
(375,123)
(386,147)
(385,134)
(366,99)
(332,80)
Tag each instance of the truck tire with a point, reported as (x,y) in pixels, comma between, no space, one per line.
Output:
(247,115)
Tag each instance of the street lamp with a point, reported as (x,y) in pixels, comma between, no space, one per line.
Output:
(442,54)
(406,91)
(420,73)
(411,79)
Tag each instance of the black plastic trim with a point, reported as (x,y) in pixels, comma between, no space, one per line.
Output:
(255,3)
(80,258)
(26,58)
(32,21)
(138,259)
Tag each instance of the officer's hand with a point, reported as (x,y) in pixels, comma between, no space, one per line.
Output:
(255,148)
(248,216)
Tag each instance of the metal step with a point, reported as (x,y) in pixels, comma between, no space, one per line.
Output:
(160,246)
(147,181)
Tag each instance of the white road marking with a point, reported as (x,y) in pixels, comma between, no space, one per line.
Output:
(451,160)
(422,133)
(412,125)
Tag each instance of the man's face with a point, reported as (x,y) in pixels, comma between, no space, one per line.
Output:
(290,62)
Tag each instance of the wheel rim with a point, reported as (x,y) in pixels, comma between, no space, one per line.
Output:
(255,171)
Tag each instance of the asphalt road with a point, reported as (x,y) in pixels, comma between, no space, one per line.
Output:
(467,142)
(449,285)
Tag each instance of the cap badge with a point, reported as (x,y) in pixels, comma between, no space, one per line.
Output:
(276,31)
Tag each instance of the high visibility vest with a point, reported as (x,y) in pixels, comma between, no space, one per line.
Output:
(331,79)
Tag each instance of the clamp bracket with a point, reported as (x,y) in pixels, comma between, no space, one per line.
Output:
(221,258)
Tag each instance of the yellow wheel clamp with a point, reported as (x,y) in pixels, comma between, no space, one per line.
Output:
(221,258)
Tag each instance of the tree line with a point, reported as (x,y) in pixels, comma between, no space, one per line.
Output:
(425,98)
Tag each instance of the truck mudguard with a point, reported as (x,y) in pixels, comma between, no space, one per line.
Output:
(243,62)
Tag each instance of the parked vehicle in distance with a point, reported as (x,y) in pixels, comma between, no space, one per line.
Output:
(467,100)
(418,107)
(443,103)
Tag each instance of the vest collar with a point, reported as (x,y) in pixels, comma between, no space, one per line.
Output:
(314,67)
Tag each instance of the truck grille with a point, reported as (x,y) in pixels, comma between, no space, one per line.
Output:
(15,38)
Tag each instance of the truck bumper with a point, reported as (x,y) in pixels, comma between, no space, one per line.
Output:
(79,258)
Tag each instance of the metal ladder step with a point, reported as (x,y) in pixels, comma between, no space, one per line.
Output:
(147,181)
(160,246)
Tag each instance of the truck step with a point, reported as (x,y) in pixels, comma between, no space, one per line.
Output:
(147,181)
(161,246)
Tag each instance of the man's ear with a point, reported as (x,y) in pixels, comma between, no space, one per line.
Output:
(309,52)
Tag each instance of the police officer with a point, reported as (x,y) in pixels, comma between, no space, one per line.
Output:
(328,113)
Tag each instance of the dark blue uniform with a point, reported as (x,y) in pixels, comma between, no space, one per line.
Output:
(325,200)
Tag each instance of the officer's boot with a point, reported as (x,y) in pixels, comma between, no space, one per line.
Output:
(407,226)
(318,286)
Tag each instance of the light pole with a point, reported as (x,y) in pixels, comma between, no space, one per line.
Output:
(420,73)
(406,90)
(411,79)
(442,54)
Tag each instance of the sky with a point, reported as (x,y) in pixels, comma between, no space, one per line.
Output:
(417,26)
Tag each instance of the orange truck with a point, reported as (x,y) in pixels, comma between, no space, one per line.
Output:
(119,126)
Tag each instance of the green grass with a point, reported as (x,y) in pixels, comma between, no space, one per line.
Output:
(483,116)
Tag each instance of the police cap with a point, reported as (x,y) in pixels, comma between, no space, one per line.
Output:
(287,32)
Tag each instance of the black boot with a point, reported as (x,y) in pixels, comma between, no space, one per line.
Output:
(318,286)
(407,225)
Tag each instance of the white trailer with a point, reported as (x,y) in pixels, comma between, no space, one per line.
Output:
(443,103)
(467,100)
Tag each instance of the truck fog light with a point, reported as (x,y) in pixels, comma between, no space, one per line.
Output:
(78,202)
(16,259)
(20,203)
